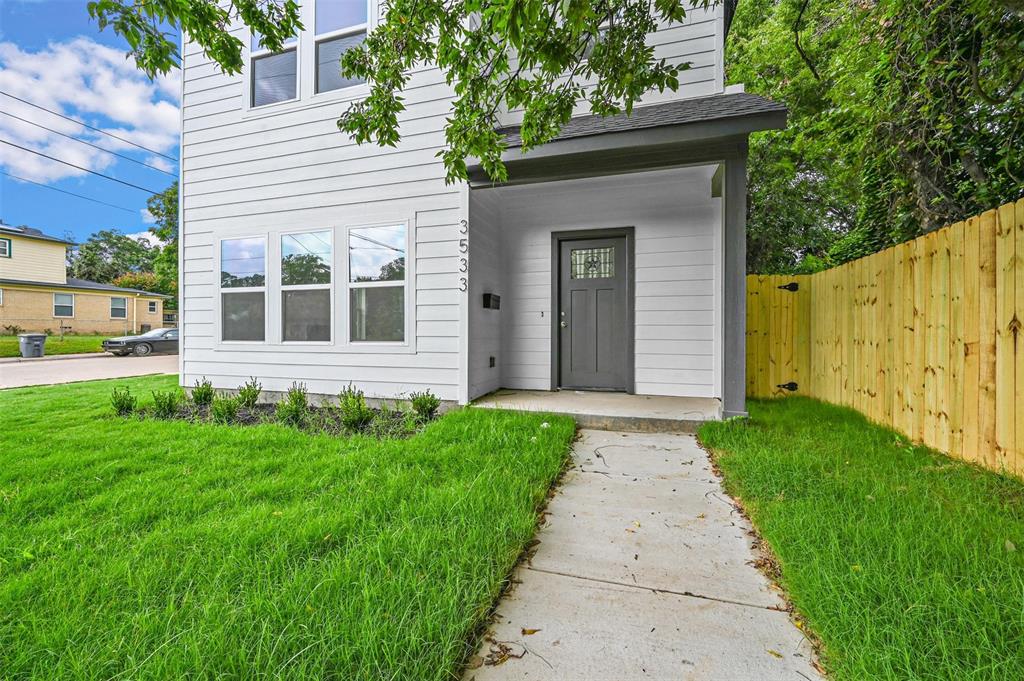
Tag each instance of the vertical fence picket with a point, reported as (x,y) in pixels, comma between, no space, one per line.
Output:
(987,344)
(1005,259)
(954,384)
(972,340)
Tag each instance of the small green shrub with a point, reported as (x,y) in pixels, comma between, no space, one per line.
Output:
(389,422)
(123,401)
(202,393)
(249,393)
(355,413)
(167,403)
(425,404)
(224,408)
(293,410)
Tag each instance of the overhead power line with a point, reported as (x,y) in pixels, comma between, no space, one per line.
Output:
(94,146)
(63,191)
(52,158)
(83,123)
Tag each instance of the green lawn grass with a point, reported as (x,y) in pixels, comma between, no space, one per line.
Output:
(162,550)
(54,345)
(907,564)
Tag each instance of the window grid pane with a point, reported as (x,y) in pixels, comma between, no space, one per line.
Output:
(334,15)
(243,316)
(243,263)
(306,259)
(328,62)
(306,315)
(274,78)
(377,314)
(119,308)
(377,254)
(592,263)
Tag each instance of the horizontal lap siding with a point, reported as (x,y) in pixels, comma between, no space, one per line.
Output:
(248,174)
(676,226)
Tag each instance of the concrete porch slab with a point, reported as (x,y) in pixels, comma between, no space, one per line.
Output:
(611,411)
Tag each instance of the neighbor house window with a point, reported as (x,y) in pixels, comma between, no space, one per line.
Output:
(377,283)
(152,306)
(340,26)
(306,286)
(274,76)
(1,296)
(243,281)
(119,308)
(5,248)
(63,304)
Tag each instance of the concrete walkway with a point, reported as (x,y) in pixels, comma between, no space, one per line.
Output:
(59,369)
(643,571)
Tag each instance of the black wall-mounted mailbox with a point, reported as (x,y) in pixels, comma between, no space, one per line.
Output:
(492,301)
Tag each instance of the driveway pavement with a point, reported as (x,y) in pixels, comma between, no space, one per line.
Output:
(50,370)
(643,571)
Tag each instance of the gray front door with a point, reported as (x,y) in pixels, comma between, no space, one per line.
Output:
(593,316)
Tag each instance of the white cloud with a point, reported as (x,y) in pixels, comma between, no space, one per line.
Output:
(92,82)
(147,217)
(146,237)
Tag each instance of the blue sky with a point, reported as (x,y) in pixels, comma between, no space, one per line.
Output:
(53,55)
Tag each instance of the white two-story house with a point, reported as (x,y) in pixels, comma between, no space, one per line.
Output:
(612,259)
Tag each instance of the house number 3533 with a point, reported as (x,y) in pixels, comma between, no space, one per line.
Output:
(464,255)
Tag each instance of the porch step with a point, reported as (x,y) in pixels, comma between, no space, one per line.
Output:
(611,411)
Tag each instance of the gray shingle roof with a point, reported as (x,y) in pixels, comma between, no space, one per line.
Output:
(83,284)
(680,112)
(30,233)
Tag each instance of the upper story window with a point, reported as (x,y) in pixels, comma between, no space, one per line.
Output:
(5,248)
(274,75)
(243,282)
(340,26)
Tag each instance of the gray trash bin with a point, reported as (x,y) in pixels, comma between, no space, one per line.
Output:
(31,344)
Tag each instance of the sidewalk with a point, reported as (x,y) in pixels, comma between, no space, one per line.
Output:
(643,571)
(50,358)
(48,371)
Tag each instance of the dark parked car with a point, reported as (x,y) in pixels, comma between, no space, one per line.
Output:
(157,340)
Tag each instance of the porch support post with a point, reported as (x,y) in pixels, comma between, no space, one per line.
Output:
(734,283)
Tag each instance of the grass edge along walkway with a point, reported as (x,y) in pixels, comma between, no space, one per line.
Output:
(156,550)
(906,564)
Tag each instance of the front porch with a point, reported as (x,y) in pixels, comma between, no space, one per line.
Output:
(611,411)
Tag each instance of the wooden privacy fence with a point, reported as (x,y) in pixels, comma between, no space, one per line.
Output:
(925,337)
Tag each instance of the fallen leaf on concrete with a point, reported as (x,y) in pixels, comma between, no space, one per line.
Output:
(774,653)
(529,632)
(475,662)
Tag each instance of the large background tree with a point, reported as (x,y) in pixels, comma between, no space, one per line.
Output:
(905,115)
(109,254)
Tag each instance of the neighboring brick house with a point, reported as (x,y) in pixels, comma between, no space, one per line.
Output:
(37,295)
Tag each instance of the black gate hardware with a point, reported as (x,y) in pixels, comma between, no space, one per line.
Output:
(791,386)
(791,286)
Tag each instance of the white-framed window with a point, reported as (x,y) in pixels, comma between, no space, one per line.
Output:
(152,307)
(63,304)
(339,25)
(377,283)
(5,248)
(273,76)
(306,275)
(243,289)
(119,308)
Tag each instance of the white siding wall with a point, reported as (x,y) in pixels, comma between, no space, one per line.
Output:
(485,269)
(259,172)
(678,231)
(285,167)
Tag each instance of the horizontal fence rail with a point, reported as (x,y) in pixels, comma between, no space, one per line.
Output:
(925,337)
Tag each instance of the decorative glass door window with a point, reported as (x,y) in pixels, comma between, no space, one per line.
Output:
(243,280)
(306,286)
(340,26)
(376,284)
(592,263)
